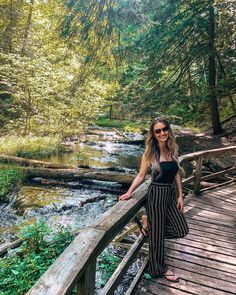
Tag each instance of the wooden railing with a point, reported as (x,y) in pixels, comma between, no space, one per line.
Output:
(76,266)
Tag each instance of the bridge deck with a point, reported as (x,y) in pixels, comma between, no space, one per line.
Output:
(205,259)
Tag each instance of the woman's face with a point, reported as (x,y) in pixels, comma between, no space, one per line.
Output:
(161,132)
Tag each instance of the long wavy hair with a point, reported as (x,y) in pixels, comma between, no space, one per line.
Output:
(152,150)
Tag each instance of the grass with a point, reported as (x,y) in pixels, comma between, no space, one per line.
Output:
(30,146)
(126,125)
(10,178)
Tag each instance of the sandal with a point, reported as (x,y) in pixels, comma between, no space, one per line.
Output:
(171,275)
(143,230)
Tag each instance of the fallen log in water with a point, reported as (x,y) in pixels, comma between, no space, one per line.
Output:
(34,163)
(76,174)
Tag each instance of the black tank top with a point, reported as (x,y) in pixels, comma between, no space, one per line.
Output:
(169,170)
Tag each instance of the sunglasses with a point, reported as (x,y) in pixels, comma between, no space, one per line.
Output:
(158,131)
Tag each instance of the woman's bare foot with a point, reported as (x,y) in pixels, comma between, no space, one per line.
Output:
(144,230)
(170,276)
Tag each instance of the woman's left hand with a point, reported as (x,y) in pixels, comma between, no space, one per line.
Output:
(180,204)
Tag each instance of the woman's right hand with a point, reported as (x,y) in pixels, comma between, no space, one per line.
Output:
(124,197)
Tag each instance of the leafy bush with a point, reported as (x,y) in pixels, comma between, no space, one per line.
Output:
(107,264)
(30,146)
(19,272)
(9,179)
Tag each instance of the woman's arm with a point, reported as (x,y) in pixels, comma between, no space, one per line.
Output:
(178,181)
(137,181)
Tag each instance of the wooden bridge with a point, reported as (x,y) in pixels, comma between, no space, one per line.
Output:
(204,260)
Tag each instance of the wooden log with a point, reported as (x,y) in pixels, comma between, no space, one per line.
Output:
(4,247)
(33,163)
(76,174)
(116,277)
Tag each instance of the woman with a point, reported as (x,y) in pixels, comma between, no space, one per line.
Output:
(164,210)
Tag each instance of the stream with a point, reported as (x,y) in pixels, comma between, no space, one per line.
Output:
(66,206)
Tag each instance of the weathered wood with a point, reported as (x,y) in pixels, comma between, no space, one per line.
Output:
(137,277)
(204,246)
(216,174)
(201,269)
(77,174)
(125,233)
(4,247)
(224,258)
(116,277)
(207,153)
(210,228)
(33,163)
(217,185)
(209,241)
(86,285)
(197,175)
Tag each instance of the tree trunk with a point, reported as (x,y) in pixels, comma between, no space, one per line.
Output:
(212,75)
(27,30)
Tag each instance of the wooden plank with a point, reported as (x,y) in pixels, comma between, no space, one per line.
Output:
(137,277)
(207,240)
(207,228)
(204,261)
(217,196)
(219,204)
(224,191)
(159,290)
(183,285)
(208,208)
(200,269)
(116,277)
(224,195)
(201,279)
(209,223)
(216,185)
(230,260)
(215,217)
(204,246)
(216,174)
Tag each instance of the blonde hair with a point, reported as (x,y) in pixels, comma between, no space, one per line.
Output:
(152,150)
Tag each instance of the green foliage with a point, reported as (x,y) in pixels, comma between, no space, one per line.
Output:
(147,276)
(107,264)
(30,146)
(21,270)
(124,124)
(9,180)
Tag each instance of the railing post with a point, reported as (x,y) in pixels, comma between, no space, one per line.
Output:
(197,175)
(86,285)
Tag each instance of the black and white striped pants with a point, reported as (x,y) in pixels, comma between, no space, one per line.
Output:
(165,221)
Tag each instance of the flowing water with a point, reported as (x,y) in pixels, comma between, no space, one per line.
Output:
(64,206)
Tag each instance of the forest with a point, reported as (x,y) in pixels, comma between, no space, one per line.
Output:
(80,81)
(64,63)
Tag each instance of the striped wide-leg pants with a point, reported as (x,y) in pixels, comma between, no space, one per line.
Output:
(165,221)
